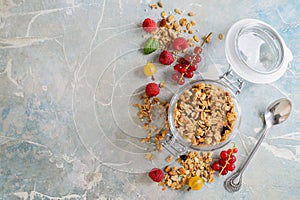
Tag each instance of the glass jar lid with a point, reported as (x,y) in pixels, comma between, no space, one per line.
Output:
(256,52)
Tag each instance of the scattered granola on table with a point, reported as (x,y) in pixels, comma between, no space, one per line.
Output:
(204,115)
(192,164)
(149,111)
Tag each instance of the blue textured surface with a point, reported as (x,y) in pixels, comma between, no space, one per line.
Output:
(60,89)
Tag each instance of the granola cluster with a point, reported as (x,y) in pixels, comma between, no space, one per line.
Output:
(192,164)
(172,24)
(205,115)
(152,112)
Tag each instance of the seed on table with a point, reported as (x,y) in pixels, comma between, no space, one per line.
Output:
(221,36)
(153,6)
(169,158)
(177,11)
(183,21)
(195,37)
(188,26)
(162,84)
(160,4)
(170,18)
(191,14)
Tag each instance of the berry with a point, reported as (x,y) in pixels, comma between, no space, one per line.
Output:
(235,150)
(193,68)
(176,76)
(216,166)
(162,23)
(180,43)
(149,69)
(197,59)
(152,89)
(230,167)
(183,70)
(183,157)
(180,81)
(224,172)
(196,183)
(149,25)
(157,175)
(223,154)
(182,61)
(178,67)
(188,57)
(189,74)
(226,162)
(222,162)
(197,50)
(232,159)
(166,58)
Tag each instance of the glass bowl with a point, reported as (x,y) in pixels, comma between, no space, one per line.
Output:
(204,115)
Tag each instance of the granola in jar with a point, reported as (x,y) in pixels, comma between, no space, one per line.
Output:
(204,115)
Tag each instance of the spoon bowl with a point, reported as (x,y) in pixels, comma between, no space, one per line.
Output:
(276,113)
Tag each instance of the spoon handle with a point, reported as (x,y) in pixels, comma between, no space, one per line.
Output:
(262,137)
(233,183)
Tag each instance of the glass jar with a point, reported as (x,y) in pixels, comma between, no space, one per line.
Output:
(255,53)
(198,115)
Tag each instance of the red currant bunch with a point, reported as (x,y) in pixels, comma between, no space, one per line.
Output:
(226,161)
(186,66)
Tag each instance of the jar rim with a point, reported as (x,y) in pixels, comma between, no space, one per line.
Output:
(260,31)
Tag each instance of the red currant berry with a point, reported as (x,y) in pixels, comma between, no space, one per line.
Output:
(223,154)
(197,59)
(232,159)
(197,50)
(188,57)
(182,61)
(189,74)
(224,172)
(180,81)
(235,150)
(222,162)
(193,67)
(183,70)
(229,151)
(216,166)
(178,67)
(176,76)
(230,167)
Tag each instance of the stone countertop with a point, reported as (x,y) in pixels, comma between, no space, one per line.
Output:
(68,69)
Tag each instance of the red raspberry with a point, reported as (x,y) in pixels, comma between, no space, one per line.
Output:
(157,175)
(149,25)
(180,43)
(152,89)
(166,58)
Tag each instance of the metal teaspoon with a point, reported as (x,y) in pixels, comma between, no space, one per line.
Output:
(276,113)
